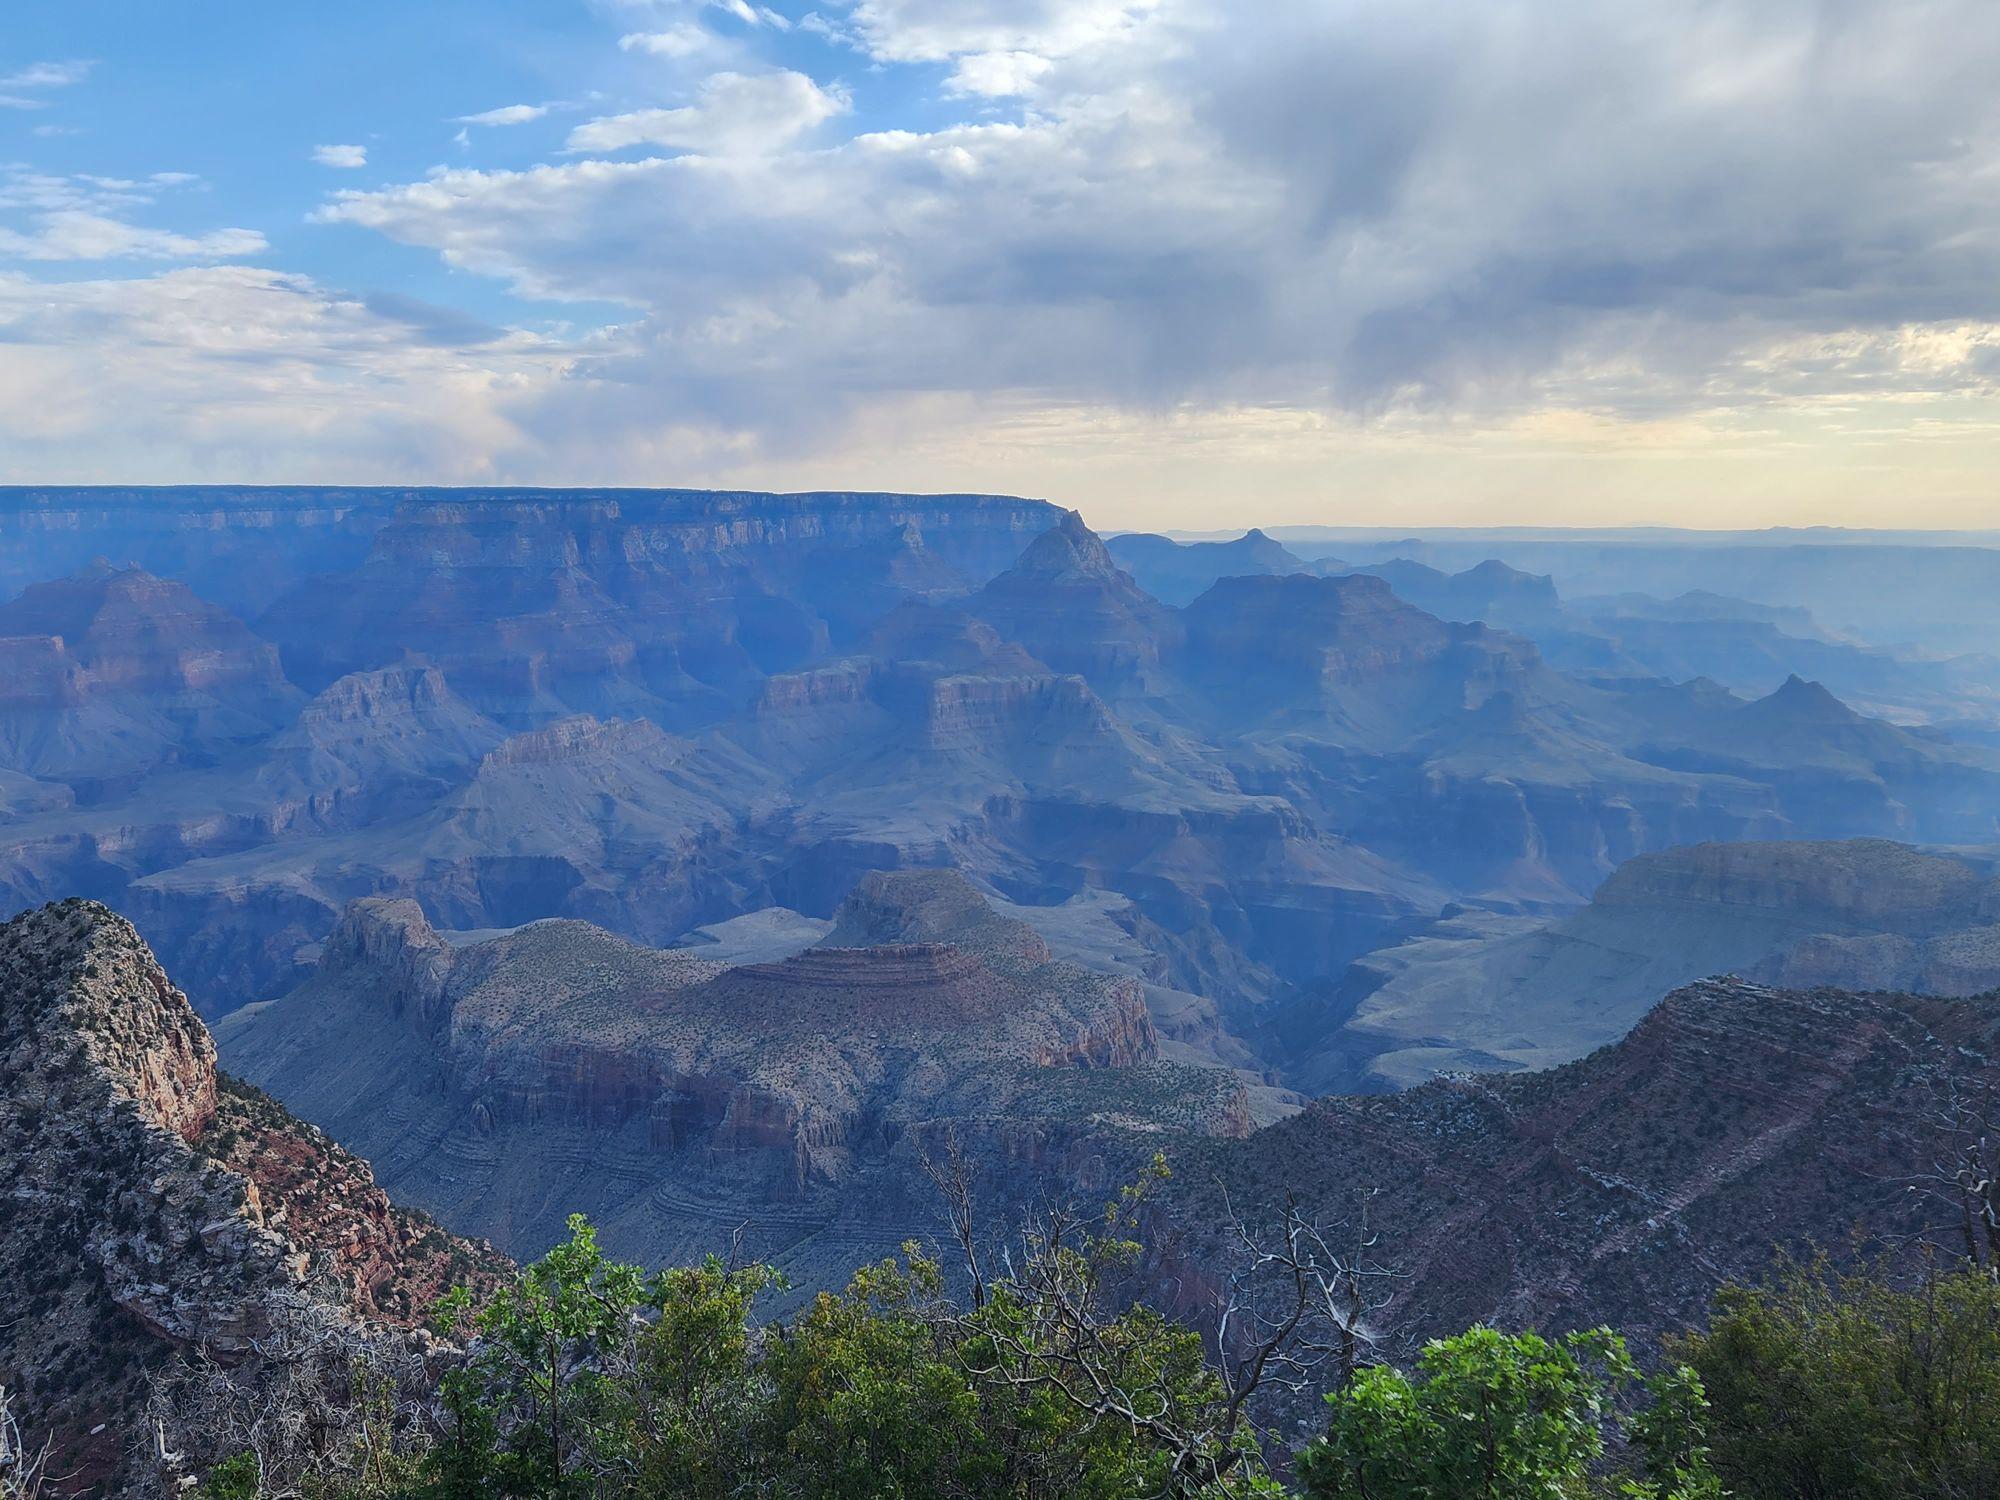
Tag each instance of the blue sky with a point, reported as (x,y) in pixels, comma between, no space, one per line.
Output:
(1180,262)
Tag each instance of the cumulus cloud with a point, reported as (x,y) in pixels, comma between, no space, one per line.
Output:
(997,75)
(342,157)
(735,113)
(1348,207)
(506,114)
(940,30)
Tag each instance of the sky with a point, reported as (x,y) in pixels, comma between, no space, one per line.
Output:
(1178,263)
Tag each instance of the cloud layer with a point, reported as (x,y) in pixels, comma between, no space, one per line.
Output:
(1426,219)
(1359,206)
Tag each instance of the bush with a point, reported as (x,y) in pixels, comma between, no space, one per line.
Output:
(1827,1385)
(1496,1416)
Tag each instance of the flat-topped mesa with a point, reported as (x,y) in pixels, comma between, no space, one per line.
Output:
(1843,887)
(158,1209)
(896,967)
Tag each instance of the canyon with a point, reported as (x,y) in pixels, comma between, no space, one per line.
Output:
(656,711)
(503,1081)
(715,864)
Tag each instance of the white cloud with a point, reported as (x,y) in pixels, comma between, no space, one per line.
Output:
(749,14)
(735,114)
(1473,212)
(75,234)
(507,114)
(343,157)
(83,217)
(684,39)
(997,75)
(219,371)
(1558,221)
(940,30)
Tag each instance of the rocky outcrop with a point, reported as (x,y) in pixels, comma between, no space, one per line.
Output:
(931,906)
(657,1091)
(155,1209)
(1345,647)
(1735,1123)
(1074,608)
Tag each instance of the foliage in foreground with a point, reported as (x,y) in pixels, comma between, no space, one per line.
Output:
(1496,1416)
(592,1378)
(1828,1385)
(588,1378)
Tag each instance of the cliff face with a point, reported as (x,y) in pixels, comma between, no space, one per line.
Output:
(154,1209)
(1072,607)
(559,1068)
(657,710)
(109,672)
(670,603)
(237,545)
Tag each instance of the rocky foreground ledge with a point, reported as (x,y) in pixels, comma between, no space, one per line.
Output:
(154,1212)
